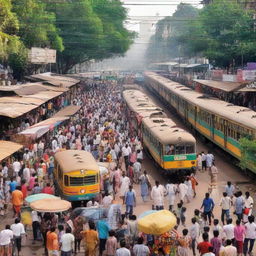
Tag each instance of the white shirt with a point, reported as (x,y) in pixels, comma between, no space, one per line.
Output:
(248,202)
(18,229)
(16,166)
(95,205)
(123,252)
(125,151)
(107,200)
(250,230)
(67,241)
(34,216)
(5,236)
(229,231)
(140,250)
(225,202)
(194,231)
(137,166)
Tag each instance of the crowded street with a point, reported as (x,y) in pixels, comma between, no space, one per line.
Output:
(133,184)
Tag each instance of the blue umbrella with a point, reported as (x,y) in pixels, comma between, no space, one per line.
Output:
(35,197)
(146,213)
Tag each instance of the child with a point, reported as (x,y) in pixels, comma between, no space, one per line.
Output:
(217,226)
(183,216)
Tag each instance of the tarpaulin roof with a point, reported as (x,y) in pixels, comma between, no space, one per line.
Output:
(224,86)
(14,110)
(7,148)
(68,111)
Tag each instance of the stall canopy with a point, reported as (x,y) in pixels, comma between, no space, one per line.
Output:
(68,111)
(50,205)
(7,148)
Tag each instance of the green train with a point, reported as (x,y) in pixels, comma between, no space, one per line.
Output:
(223,123)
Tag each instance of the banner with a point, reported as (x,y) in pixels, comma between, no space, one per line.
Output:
(42,55)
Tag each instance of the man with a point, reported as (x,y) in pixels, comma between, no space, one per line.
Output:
(125,153)
(13,185)
(194,231)
(239,205)
(18,230)
(16,167)
(248,205)
(230,189)
(183,192)
(157,194)
(130,200)
(171,191)
(35,224)
(122,251)
(140,249)
(92,203)
(103,230)
(124,187)
(229,249)
(107,200)
(208,206)
(137,171)
(239,233)
(250,235)
(204,246)
(228,230)
(203,161)
(6,236)
(225,203)
(209,160)
(17,201)
(67,243)
(52,242)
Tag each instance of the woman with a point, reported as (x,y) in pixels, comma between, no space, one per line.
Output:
(144,186)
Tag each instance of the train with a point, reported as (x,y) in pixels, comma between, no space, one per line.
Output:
(223,123)
(172,148)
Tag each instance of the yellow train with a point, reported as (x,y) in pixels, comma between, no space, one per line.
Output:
(76,175)
(170,146)
(221,122)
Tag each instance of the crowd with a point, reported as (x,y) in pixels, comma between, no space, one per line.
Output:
(101,127)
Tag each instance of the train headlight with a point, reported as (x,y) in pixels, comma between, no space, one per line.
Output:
(82,171)
(82,191)
(193,162)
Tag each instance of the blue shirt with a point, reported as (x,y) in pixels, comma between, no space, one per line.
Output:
(239,205)
(13,185)
(129,198)
(208,204)
(103,229)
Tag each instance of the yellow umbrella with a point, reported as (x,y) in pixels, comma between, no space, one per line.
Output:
(157,223)
(50,205)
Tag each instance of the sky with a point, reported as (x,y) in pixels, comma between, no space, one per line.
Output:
(154,7)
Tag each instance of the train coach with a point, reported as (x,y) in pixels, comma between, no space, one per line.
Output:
(172,148)
(223,123)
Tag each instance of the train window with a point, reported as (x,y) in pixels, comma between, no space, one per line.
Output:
(180,150)
(190,149)
(169,150)
(66,180)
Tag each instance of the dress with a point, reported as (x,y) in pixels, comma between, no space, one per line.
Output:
(183,248)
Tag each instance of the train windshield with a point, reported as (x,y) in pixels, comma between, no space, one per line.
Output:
(179,149)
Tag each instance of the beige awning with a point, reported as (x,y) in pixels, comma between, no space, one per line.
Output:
(7,148)
(68,111)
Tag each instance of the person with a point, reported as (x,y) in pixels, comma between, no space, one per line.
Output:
(123,251)
(199,162)
(35,224)
(52,243)
(203,247)
(67,243)
(137,171)
(91,239)
(225,203)
(116,179)
(230,189)
(248,205)
(6,237)
(239,205)
(103,230)
(210,253)
(92,203)
(214,174)
(17,201)
(203,161)
(216,242)
(209,160)
(157,194)
(229,249)
(111,244)
(18,230)
(250,235)
(208,206)
(171,192)
(24,188)
(228,230)
(78,228)
(130,200)
(144,186)
(218,227)
(107,200)
(13,184)
(184,243)
(194,231)
(132,228)
(140,249)
(48,189)
(125,183)
(183,191)
(239,233)
(16,167)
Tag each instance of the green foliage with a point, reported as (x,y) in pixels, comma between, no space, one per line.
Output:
(248,154)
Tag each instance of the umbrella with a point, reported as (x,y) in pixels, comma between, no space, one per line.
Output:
(157,223)
(50,205)
(35,197)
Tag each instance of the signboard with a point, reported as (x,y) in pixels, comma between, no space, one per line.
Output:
(42,55)
(217,75)
(249,75)
(229,78)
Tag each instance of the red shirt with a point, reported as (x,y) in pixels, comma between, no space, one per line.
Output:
(203,247)
(48,190)
(24,190)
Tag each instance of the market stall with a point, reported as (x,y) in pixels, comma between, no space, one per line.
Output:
(7,148)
